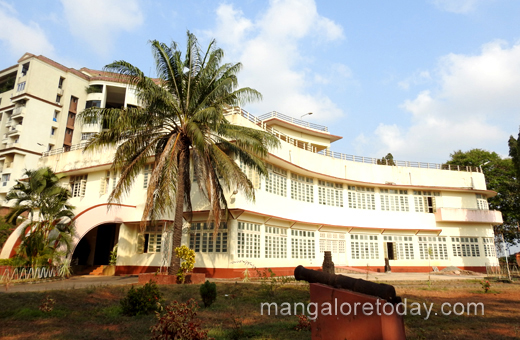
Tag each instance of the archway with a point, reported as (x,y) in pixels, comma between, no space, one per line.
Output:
(95,246)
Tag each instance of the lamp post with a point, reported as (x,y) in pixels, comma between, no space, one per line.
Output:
(307,114)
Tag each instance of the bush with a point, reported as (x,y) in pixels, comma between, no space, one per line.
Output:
(187,257)
(179,322)
(143,300)
(208,293)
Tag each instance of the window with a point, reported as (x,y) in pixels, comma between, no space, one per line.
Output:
(55,117)
(53,131)
(203,238)
(302,244)
(275,243)
(361,198)
(104,183)
(424,201)
(465,246)
(394,200)
(114,178)
(21,86)
(333,242)
(60,83)
(58,99)
(78,185)
(482,203)
(147,174)
(150,241)
(87,135)
(5,179)
(364,247)
(251,174)
(330,193)
(93,103)
(276,183)
(489,247)
(400,247)
(439,249)
(248,245)
(302,188)
(25,69)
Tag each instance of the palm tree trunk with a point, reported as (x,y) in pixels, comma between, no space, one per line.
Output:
(175,262)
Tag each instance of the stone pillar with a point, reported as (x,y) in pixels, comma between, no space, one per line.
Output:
(328,265)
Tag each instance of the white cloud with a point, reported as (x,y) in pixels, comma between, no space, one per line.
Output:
(98,22)
(19,37)
(477,105)
(456,6)
(269,48)
(419,77)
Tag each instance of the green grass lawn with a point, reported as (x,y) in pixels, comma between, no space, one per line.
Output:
(94,313)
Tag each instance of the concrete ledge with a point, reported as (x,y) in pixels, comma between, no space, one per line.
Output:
(164,279)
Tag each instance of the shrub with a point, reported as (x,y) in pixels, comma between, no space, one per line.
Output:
(303,323)
(187,257)
(143,300)
(485,285)
(179,322)
(47,304)
(208,293)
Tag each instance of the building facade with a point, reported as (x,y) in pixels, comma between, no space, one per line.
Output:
(417,215)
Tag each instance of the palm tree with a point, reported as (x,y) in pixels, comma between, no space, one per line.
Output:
(181,125)
(50,224)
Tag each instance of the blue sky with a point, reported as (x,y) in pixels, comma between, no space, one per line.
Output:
(419,79)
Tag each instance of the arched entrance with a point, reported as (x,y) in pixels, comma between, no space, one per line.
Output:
(95,246)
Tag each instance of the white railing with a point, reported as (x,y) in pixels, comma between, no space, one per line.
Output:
(28,273)
(296,121)
(18,110)
(361,159)
(65,149)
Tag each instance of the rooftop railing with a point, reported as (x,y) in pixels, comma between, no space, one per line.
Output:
(309,147)
(292,120)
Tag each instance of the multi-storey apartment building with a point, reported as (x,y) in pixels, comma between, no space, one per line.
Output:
(417,215)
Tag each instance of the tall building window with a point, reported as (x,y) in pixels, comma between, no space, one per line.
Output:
(147,174)
(53,131)
(302,188)
(104,183)
(364,247)
(78,185)
(361,198)
(60,83)
(394,200)
(489,247)
(276,182)
(5,179)
(424,201)
(302,244)
(21,86)
(204,240)
(398,247)
(25,69)
(275,243)
(87,135)
(433,247)
(482,203)
(151,240)
(58,99)
(465,246)
(93,103)
(333,242)
(330,193)
(248,245)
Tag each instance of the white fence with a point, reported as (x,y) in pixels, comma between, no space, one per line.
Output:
(28,273)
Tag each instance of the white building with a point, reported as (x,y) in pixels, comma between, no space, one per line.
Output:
(314,199)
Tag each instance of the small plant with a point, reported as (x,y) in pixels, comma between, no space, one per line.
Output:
(485,285)
(143,300)
(47,304)
(113,256)
(304,323)
(65,269)
(246,276)
(179,322)
(208,293)
(187,257)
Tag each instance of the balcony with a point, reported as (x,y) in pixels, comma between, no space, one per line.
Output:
(60,91)
(18,111)
(15,130)
(468,215)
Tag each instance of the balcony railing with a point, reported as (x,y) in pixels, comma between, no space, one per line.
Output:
(292,120)
(15,129)
(18,111)
(468,215)
(62,150)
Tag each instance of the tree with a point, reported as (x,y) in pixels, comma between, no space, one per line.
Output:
(181,125)
(48,233)
(387,160)
(500,177)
